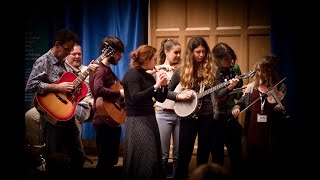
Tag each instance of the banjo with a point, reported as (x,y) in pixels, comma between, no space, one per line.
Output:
(190,107)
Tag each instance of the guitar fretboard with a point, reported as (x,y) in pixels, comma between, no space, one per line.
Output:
(107,51)
(82,76)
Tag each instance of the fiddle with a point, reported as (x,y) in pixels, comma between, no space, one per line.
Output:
(238,90)
(275,96)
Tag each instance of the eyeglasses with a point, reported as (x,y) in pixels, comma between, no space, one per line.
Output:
(67,49)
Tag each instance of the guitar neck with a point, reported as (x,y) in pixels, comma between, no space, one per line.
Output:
(237,90)
(82,76)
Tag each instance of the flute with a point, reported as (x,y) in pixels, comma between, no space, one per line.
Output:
(164,67)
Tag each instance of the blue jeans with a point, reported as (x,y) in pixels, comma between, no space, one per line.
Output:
(169,124)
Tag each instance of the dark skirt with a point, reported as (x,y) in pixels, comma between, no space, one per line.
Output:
(142,149)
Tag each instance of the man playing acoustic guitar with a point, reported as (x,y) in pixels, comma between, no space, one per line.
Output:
(101,84)
(63,148)
(32,117)
(33,126)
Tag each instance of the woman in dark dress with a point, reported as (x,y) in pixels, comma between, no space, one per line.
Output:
(262,115)
(142,150)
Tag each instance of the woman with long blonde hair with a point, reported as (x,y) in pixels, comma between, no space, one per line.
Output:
(197,73)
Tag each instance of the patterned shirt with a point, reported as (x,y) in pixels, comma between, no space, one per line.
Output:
(47,69)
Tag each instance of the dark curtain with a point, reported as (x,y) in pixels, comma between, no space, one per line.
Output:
(284,43)
(92,20)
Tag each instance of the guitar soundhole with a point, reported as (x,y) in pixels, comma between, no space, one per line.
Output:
(61,99)
(119,103)
(117,106)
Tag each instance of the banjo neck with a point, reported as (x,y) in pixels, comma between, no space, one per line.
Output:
(226,83)
(214,88)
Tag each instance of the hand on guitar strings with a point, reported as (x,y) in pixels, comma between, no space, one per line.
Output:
(121,92)
(65,87)
(93,65)
(238,90)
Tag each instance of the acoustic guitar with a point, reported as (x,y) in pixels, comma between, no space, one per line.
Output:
(58,106)
(225,99)
(113,108)
(190,107)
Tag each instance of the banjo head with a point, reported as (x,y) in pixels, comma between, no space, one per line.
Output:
(186,108)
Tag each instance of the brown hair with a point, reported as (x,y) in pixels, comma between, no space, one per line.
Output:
(64,35)
(114,42)
(267,64)
(142,55)
(221,51)
(166,45)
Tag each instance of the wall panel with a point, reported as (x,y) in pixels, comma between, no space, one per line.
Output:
(243,24)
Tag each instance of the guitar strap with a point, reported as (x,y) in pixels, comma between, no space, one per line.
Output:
(200,100)
(74,71)
(201,87)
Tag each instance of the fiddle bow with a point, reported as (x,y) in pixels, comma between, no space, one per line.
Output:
(271,93)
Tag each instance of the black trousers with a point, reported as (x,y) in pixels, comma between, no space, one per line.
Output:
(107,142)
(63,150)
(233,141)
(203,126)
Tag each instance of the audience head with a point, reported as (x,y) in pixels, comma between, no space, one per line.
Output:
(209,171)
